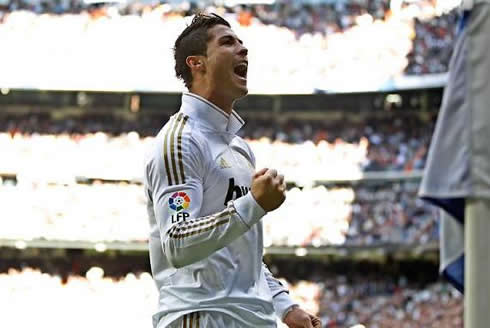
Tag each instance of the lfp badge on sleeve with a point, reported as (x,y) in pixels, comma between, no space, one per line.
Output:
(179,202)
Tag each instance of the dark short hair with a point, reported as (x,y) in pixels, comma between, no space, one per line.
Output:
(193,41)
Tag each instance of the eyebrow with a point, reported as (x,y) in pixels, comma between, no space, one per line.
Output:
(229,36)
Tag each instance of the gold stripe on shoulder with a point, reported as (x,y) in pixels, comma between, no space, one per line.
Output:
(179,150)
(197,320)
(172,148)
(165,151)
(191,318)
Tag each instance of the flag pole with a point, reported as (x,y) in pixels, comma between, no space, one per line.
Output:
(477,264)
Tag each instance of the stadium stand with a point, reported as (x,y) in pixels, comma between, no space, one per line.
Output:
(330,149)
(74,224)
(139,37)
(127,300)
(362,216)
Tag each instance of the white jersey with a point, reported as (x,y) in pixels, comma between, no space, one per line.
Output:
(206,242)
(469,4)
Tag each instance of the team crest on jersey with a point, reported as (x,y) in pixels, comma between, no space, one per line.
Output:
(179,201)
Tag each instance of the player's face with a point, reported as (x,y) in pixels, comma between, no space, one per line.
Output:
(226,63)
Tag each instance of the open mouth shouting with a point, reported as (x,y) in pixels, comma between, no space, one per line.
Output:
(241,70)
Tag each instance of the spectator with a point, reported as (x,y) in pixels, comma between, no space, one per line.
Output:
(360,216)
(329,150)
(343,47)
(97,300)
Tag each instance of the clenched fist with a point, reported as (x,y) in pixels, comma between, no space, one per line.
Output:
(268,189)
(298,318)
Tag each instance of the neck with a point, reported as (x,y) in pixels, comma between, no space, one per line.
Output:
(222,102)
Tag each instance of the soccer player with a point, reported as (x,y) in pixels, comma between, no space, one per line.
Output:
(205,200)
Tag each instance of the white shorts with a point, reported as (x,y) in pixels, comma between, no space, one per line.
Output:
(205,319)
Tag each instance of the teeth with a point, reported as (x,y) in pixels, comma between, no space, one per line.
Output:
(241,69)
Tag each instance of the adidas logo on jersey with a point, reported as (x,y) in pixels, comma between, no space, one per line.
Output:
(235,192)
(223,163)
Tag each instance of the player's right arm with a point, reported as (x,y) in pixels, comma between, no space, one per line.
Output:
(185,235)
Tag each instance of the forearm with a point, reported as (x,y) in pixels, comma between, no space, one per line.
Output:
(195,239)
(280,295)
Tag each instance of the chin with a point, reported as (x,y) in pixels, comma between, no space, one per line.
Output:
(240,88)
(242,91)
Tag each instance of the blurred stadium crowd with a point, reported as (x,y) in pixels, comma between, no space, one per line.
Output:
(111,148)
(128,301)
(347,45)
(41,150)
(128,46)
(432,46)
(360,215)
(355,216)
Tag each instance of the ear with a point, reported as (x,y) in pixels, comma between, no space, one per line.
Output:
(196,63)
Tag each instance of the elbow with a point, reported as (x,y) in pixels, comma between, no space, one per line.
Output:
(175,261)
(174,255)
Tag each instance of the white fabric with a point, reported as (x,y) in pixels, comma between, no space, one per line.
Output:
(458,164)
(451,240)
(201,319)
(207,255)
(469,4)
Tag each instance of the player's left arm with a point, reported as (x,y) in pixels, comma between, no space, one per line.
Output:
(286,309)
(280,294)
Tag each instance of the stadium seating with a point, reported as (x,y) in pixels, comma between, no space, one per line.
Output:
(114,149)
(99,301)
(135,43)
